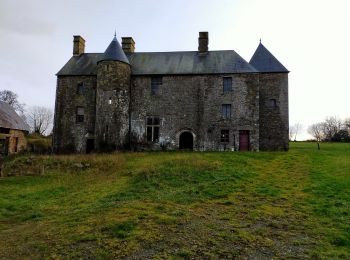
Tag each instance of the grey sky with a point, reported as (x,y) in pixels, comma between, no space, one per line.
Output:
(310,37)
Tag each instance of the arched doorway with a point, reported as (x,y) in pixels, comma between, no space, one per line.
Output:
(186,141)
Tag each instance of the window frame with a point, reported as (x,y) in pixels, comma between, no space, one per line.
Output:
(152,129)
(80,117)
(226,112)
(80,88)
(225,136)
(227,87)
(156,82)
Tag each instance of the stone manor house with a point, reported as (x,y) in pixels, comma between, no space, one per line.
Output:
(196,100)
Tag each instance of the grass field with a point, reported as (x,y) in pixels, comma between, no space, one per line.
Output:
(179,205)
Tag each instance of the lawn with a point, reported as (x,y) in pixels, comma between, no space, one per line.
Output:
(178,205)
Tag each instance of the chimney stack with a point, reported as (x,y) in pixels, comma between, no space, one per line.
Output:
(203,42)
(78,45)
(128,44)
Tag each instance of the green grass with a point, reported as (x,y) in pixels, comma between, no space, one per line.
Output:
(177,205)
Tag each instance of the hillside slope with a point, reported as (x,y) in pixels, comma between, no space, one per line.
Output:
(181,205)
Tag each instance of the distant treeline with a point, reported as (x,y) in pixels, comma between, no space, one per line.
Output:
(332,129)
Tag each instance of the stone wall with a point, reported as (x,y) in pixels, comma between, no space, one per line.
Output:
(274,120)
(183,103)
(15,141)
(194,104)
(70,135)
(112,105)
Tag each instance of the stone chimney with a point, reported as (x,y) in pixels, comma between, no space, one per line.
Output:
(203,42)
(78,45)
(128,44)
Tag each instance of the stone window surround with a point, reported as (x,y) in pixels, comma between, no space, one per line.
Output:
(152,128)
(227,84)
(155,83)
(80,88)
(80,114)
(226,111)
(272,103)
(225,136)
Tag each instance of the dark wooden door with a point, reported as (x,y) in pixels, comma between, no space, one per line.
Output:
(244,140)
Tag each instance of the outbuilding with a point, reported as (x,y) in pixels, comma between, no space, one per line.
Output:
(13,130)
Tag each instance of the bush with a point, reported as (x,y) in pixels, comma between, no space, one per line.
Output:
(39,144)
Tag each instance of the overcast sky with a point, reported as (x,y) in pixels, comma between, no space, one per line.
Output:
(311,38)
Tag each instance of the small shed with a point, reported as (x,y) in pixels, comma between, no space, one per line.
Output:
(12,131)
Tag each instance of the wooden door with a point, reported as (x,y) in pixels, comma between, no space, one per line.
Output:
(244,140)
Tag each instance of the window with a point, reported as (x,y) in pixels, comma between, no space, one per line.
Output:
(80,88)
(227,84)
(155,83)
(4,130)
(272,103)
(80,115)
(226,110)
(153,129)
(225,136)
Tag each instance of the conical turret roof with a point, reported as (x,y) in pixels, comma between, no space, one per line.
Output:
(115,52)
(264,61)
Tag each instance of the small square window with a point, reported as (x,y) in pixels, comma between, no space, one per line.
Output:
(225,136)
(227,82)
(226,111)
(272,103)
(155,83)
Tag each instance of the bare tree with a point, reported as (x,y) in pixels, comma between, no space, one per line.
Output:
(346,125)
(294,130)
(317,131)
(11,98)
(40,119)
(332,125)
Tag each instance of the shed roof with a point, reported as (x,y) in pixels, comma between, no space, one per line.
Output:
(264,61)
(165,63)
(10,119)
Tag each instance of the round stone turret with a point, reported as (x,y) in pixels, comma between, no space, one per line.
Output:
(112,99)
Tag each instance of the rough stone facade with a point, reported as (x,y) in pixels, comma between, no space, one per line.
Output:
(70,135)
(112,105)
(123,105)
(196,106)
(274,115)
(12,131)
(13,142)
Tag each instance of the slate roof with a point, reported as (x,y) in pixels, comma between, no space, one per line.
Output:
(115,52)
(10,119)
(165,63)
(264,61)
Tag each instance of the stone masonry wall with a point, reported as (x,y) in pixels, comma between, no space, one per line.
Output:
(274,120)
(194,103)
(13,145)
(112,105)
(69,135)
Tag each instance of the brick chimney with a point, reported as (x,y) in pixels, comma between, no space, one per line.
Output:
(203,42)
(128,44)
(78,45)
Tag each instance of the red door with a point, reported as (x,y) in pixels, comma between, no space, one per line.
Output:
(244,140)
